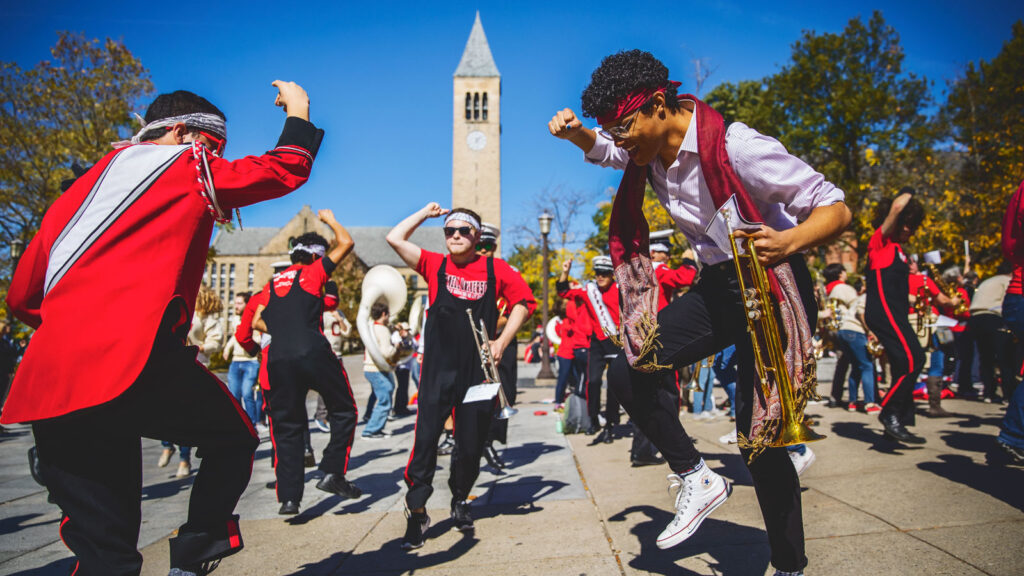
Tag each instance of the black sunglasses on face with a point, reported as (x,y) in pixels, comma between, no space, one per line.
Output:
(463,231)
(486,246)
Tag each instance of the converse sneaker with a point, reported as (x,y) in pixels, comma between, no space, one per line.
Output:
(698,493)
(416,524)
(802,461)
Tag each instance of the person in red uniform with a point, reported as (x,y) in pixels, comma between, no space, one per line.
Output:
(888,306)
(600,299)
(137,226)
(301,359)
(669,279)
(458,282)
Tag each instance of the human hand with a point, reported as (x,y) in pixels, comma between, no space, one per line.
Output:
(497,349)
(564,124)
(434,210)
(771,245)
(567,265)
(292,98)
(326,216)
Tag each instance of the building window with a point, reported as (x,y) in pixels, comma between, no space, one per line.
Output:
(231,301)
(485,107)
(469,107)
(231,278)
(252,275)
(222,275)
(476,106)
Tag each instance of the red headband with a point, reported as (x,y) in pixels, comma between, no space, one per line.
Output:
(632,102)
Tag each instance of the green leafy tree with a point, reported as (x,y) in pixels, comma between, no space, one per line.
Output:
(61,112)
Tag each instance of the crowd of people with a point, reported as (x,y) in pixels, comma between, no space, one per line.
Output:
(640,337)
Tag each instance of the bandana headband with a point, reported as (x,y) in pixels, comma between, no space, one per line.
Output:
(314,249)
(201,121)
(463,217)
(632,102)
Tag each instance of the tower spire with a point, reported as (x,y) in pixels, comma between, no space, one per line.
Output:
(477,60)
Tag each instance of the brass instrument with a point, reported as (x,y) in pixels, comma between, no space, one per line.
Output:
(949,290)
(923,310)
(769,354)
(835,320)
(875,348)
(694,383)
(483,346)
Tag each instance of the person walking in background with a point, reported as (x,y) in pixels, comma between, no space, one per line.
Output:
(405,370)
(337,329)
(1011,437)
(207,335)
(996,348)
(382,381)
(244,367)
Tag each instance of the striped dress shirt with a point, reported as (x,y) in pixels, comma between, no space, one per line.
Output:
(784,188)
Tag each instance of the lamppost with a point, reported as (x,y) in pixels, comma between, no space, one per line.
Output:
(545,362)
(17,247)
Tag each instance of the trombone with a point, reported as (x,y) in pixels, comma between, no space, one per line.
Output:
(483,346)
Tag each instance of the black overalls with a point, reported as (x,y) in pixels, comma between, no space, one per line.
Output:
(886,311)
(451,364)
(300,358)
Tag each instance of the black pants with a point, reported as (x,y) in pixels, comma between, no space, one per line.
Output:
(995,349)
(839,376)
(602,352)
(92,464)
(401,390)
(290,382)
(694,326)
(906,358)
(508,371)
(472,422)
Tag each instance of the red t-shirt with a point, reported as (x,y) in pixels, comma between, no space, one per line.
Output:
(564,330)
(313,279)
(883,251)
(831,285)
(469,281)
(580,335)
(916,281)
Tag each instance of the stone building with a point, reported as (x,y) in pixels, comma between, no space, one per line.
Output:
(244,260)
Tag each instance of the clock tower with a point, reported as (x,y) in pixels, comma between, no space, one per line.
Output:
(476,130)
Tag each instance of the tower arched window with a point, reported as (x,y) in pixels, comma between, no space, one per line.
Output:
(485,107)
(469,107)
(476,106)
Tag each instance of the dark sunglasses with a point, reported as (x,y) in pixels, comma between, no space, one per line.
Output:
(486,246)
(603,273)
(463,231)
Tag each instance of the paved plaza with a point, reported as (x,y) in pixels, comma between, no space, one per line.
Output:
(567,507)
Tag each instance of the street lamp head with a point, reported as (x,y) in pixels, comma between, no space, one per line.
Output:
(17,245)
(545,223)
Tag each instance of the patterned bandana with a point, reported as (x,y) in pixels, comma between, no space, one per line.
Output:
(314,249)
(206,122)
(462,216)
(632,102)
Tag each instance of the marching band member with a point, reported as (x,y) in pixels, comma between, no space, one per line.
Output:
(148,207)
(458,282)
(669,279)
(888,307)
(696,164)
(600,298)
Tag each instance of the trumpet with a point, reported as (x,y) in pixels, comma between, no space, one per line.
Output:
(483,346)
(923,310)
(769,354)
(694,383)
(948,289)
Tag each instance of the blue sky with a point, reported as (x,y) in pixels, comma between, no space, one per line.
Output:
(379,75)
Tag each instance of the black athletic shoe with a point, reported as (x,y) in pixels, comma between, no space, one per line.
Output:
(33,466)
(608,434)
(461,517)
(492,457)
(446,446)
(646,460)
(288,508)
(1016,454)
(310,460)
(594,429)
(337,484)
(197,570)
(415,525)
(894,430)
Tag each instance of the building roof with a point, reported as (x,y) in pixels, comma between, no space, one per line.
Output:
(372,249)
(244,242)
(476,58)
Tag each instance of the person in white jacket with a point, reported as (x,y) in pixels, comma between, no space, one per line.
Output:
(383,383)
(208,335)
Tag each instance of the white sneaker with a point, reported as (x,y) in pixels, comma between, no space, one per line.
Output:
(802,461)
(698,494)
(165,457)
(705,415)
(729,438)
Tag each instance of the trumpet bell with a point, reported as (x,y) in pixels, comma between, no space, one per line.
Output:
(796,432)
(506,413)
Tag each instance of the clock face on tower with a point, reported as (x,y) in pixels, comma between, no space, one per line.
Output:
(476,140)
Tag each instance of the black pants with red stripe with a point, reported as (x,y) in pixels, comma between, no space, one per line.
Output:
(906,357)
(472,422)
(92,464)
(290,381)
(602,352)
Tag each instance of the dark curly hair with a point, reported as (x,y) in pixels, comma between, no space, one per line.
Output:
(308,239)
(622,74)
(911,216)
(176,103)
(833,271)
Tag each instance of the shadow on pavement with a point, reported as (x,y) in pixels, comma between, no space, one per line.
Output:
(527,453)
(747,551)
(392,556)
(167,489)
(993,478)
(972,421)
(512,494)
(63,566)
(878,443)
(375,487)
(731,466)
(12,524)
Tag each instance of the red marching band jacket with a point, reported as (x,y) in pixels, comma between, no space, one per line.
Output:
(129,264)
(584,306)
